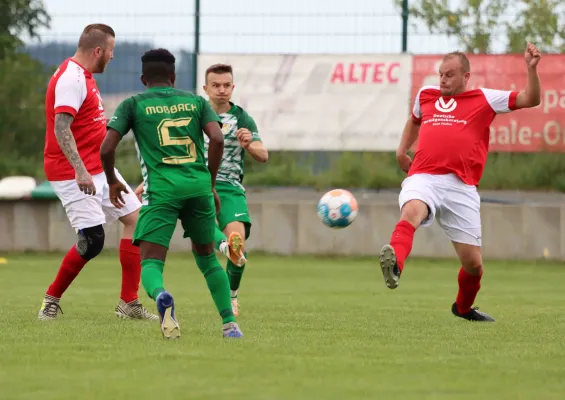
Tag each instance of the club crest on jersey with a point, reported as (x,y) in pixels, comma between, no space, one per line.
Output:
(100,103)
(444,107)
(226,128)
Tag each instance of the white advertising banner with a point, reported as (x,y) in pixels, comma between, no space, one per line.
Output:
(321,102)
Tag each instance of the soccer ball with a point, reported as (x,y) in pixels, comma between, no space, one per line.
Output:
(337,208)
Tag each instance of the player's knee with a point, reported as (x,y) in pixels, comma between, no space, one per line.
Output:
(470,257)
(473,267)
(203,249)
(90,242)
(236,226)
(414,211)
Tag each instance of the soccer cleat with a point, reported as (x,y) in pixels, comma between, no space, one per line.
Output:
(235,249)
(49,309)
(169,324)
(231,330)
(134,310)
(235,306)
(389,266)
(473,315)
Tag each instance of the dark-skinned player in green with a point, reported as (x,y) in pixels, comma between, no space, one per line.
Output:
(168,127)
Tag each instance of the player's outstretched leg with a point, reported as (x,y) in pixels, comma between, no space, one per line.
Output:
(235,273)
(129,306)
(469,280)
(218,284)
(152,265)
(235,267)
(89,245)
(394,254)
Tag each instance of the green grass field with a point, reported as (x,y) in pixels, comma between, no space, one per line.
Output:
(314,328)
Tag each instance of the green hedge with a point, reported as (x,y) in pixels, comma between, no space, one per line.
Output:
(508,171)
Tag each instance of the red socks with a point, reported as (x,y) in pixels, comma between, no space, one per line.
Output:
(131,270)
(73,263)
(469,286)
(401,241)
(70,267)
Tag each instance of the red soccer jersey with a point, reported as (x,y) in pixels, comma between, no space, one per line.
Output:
(73,90)
(454,132)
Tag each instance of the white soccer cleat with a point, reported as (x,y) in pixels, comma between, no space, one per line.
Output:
(169,325)
(49,309)
(134,310)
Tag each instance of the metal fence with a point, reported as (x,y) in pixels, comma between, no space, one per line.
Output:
(243,26)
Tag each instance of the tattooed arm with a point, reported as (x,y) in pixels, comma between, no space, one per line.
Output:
(68,146)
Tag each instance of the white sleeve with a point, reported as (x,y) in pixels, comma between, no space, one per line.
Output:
(70,91)
(501,101)
(416,110)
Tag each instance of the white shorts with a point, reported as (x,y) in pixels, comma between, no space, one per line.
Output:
(85,211)
(455,205)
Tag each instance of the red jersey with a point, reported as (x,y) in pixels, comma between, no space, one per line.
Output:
(73,90)
(454,132)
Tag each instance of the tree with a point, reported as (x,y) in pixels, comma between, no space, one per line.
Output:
(22,116)
(19,17)
(474,21)
(22,89)
(537,22)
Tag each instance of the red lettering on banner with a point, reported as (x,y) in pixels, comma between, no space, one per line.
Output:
(539,129)
(391,78)
(352,78)
(364,68)
(337,74)
(377,72)
(365,73)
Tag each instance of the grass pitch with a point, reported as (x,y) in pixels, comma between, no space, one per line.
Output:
(314,329)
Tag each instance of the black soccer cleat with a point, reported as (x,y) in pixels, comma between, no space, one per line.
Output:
(389,266)
(473,315)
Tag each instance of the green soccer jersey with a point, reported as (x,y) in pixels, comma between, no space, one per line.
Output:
(167,126)
(231,169)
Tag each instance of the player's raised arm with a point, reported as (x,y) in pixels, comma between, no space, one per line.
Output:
(251,142)
(531,96)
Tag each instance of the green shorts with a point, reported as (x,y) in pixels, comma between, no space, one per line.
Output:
(233,206)
(157,222)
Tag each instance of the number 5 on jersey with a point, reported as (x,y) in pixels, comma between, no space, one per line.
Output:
(165,139)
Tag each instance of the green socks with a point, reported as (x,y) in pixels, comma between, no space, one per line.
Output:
(219,237)
(218,284)
(235,273)
(152,277)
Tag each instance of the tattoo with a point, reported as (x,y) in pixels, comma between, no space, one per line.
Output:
(67,141)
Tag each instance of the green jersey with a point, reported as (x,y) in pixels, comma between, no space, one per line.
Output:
(231,169)
(167,126)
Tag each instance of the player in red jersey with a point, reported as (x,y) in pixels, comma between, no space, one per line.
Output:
(452,124)
(76,127)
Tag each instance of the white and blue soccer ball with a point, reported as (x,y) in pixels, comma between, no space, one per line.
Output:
(338,208)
